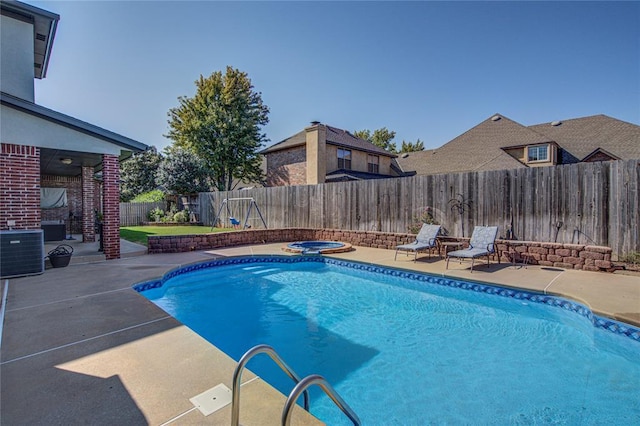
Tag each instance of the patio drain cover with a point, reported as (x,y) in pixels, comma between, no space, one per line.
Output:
(212,400)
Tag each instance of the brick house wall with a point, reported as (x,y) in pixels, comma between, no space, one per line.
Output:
(287,167)
(88,205)
(20,186)
(111,206)
(73,185)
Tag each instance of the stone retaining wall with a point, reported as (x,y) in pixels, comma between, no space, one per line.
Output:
(568,256)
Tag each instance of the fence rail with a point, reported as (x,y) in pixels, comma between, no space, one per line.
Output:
(585,203)
(133,214)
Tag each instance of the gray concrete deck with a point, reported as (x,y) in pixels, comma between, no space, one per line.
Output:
(80,346)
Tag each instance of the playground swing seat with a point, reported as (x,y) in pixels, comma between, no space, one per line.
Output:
(236,223)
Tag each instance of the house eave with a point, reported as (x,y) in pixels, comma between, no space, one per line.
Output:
(43,22)
(72,123)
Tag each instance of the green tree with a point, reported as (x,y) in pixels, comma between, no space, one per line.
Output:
(221,125)
(380,137)
(412,146)
(149,197)
(138,174)
(182,172)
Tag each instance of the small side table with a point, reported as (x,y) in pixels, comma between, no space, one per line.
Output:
(513,253)
(447,246)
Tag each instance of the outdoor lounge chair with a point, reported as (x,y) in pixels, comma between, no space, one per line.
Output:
(425,241)
(482,244)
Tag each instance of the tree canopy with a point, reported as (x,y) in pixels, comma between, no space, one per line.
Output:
(412,146)
(138,174)
(182,172)
(221,124)
(380,137)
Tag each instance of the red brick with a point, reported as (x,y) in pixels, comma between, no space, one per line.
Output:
(111,219)
(20,187)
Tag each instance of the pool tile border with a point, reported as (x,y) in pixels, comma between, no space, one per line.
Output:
(603,323)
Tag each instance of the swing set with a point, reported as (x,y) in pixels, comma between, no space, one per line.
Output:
(235,223)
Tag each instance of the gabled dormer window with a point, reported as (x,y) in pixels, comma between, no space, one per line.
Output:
(344,159)
(538,153)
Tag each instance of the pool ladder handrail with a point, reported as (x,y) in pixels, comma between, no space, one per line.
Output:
(237,376)
(316,379)
(301,387)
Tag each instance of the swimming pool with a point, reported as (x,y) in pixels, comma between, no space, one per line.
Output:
(407,348)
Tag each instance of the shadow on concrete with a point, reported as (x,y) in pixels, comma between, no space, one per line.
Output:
(65,316)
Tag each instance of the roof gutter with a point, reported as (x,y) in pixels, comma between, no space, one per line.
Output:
(52,34)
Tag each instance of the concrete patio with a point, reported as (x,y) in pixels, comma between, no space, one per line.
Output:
(80,346)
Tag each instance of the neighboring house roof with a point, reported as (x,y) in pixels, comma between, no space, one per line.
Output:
(482,147)
(581,137)
(290,142)
(345,139)
(335,136)
(44,30)
(479,148)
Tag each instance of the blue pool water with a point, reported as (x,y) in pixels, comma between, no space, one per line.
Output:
(410,349)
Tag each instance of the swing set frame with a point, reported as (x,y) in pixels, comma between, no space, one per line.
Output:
(252,204)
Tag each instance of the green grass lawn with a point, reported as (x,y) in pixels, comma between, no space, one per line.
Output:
(140,234)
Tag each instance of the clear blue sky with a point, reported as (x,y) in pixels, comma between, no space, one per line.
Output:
(428,70)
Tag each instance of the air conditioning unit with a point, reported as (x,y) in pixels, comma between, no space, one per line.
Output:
(21,253)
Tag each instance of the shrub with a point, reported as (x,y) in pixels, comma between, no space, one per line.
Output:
(425,216)
(633,258)
(182,216)
(156,214)
(149,197)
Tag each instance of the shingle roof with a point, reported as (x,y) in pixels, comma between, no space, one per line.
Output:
(290,142)
(335,136)
(580,137)
(479,148)
(343,138)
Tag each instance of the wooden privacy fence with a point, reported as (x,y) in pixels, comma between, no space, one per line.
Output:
(585,203)
(133,214)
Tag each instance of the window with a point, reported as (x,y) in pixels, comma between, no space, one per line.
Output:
(344,159)
(538,153)
(373,163)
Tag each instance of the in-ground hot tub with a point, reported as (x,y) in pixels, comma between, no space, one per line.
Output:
(317,247)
